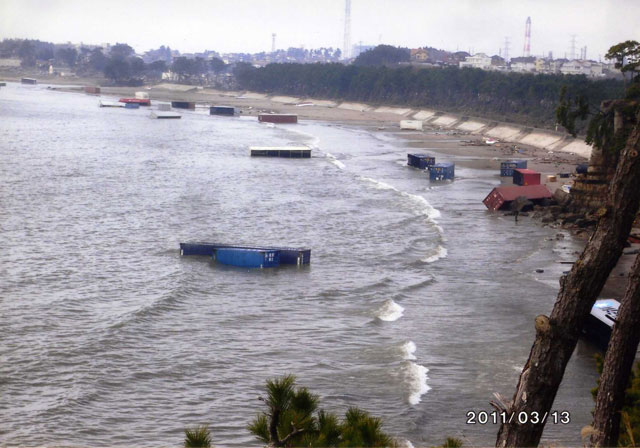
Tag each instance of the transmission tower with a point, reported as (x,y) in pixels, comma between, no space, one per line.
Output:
(572,52)
(273,42)
(527,38)
(506,50)
(346,51)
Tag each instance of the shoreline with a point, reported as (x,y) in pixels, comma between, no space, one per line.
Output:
(444,133)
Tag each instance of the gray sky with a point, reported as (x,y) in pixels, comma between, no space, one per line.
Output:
(246,25)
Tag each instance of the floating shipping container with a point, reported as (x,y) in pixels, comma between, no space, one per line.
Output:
(3,84)
(248,258)
(413,125)
(110,104)
(28,81)
(165,115)
(142,102)
(289,152)
(442,171)
(142,95)
(421,161)
(132,106)
(524,177)
(183,105)
(92,90)
(278,118)
(221,110)
(501,197)
(600,322)
(288,255)
(506,168)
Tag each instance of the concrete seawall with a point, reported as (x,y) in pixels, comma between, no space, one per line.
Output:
(513,133)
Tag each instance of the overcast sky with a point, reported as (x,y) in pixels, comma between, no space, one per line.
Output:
(246,25)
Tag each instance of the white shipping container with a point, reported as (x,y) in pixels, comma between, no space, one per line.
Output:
(142,95)
(414,125)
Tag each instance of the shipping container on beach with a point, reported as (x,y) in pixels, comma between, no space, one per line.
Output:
(421,161)
(523,176)
(248,258)
(221,110)
(165,115)
(28,81)
(506,168)
(600,322)
(140,101)
(3,84)
(442,171)
(289,152)
(501,197)
(142,95)
(132,106)
(183,105)
(103,103)
(278,118)
(298,256)
(93,90)
(163,106)
(414,125)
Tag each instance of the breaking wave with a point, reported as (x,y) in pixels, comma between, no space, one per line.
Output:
(415,375)
(416,378)
(390,311)
(409,348)
(335,161)
(439,252)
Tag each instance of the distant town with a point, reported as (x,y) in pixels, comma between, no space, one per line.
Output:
(120,63)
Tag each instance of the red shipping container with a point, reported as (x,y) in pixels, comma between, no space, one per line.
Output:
(502,196)
(278,118)
(92,90)
(523,176)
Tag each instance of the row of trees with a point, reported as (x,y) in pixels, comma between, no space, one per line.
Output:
(502,96)
(120,64)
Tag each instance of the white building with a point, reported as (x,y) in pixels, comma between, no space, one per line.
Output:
(478,60)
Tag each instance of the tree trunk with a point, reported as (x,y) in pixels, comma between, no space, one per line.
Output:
(618,363)
(556,337)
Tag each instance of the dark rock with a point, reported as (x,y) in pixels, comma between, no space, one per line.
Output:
(539,271)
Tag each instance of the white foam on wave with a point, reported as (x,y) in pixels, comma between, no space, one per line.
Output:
(440,252)
(420,205)
(416,378)
(407,444)
(409,348)
(335,161)
(390,311)
(378,184)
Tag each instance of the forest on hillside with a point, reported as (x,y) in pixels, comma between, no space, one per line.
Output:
(511,97)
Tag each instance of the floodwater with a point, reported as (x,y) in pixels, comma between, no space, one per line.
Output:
(417,306)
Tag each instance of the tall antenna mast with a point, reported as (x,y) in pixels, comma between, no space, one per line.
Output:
(346,51)
(572,54)
(506,49)
(527,38)
(273,42)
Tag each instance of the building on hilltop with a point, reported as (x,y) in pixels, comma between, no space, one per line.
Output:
(478,60)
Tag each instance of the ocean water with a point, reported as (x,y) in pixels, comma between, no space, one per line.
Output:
(417,306)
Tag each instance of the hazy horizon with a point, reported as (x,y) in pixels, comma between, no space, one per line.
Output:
(246,26)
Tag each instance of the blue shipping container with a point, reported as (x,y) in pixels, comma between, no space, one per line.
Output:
(288,255)
(422,161)
(248,258)
(506,168)
(131,106)
(442,171)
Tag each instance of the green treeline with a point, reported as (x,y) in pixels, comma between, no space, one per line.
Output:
(515,97)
